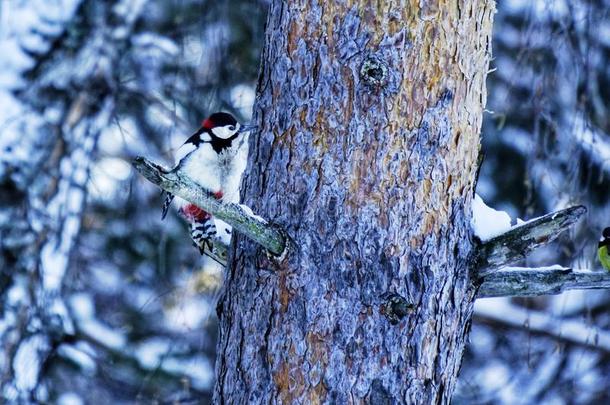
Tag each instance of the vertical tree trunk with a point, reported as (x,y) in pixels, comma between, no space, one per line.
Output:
(370,115)
(60,102)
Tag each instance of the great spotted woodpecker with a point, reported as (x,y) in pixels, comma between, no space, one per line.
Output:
(215,157)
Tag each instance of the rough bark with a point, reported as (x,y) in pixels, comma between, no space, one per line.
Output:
(370,116)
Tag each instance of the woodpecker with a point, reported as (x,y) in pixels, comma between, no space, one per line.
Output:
(215,158)
(602,249)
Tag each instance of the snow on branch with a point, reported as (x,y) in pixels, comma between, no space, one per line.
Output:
(569,331)
(239,217)
(519,240)
(523,282)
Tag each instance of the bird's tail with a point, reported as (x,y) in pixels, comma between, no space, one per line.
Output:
(168,201)
(203,234)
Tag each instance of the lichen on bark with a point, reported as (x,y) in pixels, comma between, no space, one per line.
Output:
(373,180)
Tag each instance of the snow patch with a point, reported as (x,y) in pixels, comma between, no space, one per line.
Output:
(189,315)
(82,305)
(84,311)
(487,222)
(553,267)
(84,360)
(109,337)
(27,362)
(156,43)
(242,96)
(69,398)
(198,368)
(151,352)
(251,213)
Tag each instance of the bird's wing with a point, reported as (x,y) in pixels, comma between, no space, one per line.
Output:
(187,147)
(201,136)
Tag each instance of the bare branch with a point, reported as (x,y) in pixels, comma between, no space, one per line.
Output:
(250,225)
(576,332)
(522,282)
(519,241)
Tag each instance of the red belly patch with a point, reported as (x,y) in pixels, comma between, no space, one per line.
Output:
(194,213)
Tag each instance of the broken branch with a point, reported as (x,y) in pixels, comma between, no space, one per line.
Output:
(520,240)
(523,282)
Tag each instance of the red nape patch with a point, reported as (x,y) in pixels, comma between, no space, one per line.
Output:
(218,195)
(207,123)
(194,213)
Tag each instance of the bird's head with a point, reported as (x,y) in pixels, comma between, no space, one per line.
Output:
(224,126)
(605,234)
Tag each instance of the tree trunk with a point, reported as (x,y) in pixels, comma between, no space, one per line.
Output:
(369,116)
(60,101)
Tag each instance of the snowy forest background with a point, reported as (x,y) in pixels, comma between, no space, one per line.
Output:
(101,302)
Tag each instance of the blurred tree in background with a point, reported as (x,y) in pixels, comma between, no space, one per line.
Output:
(101,302)
(84,86)
(547,146)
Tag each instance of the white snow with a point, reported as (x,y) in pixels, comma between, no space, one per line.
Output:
(189,315)
(242,96)
(26,363)
(165,116)
(495,375)
(129,9)
(82,305)
(538,8)
(198,368)
(107,336)
(545,268)
(116,168)
(68,202)
(84,311)
(118,138)
(155,353)
(486,221)
(251,214)
(26,26)
(107,277)
(18,292)
(154,43)
(69,398)
(151,352)
(84,360)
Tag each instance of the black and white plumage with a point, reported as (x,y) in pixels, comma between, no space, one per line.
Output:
(214,157)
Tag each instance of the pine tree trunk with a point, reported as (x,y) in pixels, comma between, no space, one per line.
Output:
(370,115)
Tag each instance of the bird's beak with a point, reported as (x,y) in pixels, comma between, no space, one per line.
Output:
(248,127)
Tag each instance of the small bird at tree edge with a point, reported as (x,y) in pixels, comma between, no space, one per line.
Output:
(602,249)
(214,157)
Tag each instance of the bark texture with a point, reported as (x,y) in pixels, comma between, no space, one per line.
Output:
(370,115)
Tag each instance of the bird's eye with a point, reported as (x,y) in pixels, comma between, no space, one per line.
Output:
(232,128)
